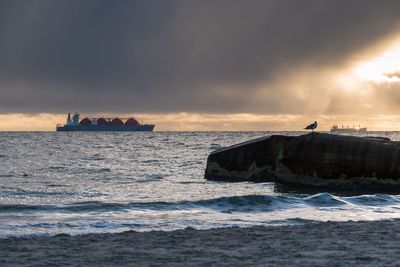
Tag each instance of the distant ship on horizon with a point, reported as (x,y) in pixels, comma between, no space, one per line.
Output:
(336,129)
(103,124)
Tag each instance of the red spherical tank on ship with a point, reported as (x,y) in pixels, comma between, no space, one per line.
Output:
(102,121)
(131,122)
(85,121)
(117,122)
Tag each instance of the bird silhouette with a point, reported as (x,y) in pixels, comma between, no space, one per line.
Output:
(312,126)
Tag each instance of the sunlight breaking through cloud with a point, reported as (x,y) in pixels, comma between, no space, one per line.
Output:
(381,69)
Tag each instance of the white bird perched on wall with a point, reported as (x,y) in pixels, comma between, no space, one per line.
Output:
(312,126)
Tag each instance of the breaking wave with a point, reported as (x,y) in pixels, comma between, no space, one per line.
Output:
(223,204)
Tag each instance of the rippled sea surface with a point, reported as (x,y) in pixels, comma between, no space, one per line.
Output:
(77,183)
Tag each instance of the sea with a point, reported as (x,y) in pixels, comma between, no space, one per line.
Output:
(77,183)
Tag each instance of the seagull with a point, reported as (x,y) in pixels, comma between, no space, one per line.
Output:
(312,126)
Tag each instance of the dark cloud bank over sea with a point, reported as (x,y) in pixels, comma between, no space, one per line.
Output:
(173,56)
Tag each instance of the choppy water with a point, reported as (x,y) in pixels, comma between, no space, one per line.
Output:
(78,183)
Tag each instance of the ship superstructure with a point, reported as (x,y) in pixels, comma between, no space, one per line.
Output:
(103,124)
(336,129)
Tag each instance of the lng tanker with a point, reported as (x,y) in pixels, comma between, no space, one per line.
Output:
(103,124)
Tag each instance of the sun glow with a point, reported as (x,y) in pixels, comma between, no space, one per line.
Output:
(382,69)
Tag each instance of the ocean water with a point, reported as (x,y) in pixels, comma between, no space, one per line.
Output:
(77,183)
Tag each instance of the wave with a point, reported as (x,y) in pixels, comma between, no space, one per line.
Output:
(13,193)
(151,178)
(374,200)
(246,203)
(215,146)
(324,200)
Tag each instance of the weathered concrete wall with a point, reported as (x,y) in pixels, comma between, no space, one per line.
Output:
(250,161)
(314,159)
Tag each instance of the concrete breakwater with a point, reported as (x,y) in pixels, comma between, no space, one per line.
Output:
(314,159)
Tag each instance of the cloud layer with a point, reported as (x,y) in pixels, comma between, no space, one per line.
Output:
(223,56)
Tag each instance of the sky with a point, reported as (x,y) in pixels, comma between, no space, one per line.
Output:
(201,65)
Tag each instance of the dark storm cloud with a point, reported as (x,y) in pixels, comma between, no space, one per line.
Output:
(155,56)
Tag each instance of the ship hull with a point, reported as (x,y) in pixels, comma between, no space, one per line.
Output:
(349,130)
(105,128)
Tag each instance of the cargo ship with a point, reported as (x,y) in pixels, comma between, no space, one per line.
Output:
(103,124)
(336,129)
